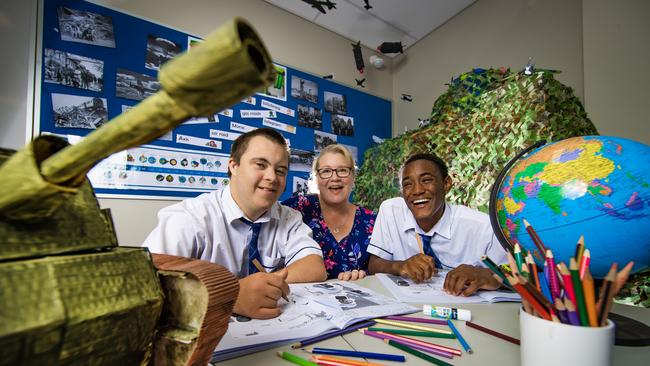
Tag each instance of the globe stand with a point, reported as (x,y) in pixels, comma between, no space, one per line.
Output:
(630,332)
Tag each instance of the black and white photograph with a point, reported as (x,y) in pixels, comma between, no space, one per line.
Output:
(322,139)
(300,160)
(342,125)
(310,117)
(300,186)
(133,85)
(335,103)
(73,70)
(85,27)
(159,51)
(74,111)
(304,89)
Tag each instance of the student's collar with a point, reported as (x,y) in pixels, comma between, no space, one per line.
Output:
(441,228)
(233,212)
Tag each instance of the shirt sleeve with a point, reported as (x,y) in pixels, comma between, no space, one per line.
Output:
(175,234)
(381,235)
(496,252)
(299,238)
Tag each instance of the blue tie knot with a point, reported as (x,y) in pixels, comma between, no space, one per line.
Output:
(253,253)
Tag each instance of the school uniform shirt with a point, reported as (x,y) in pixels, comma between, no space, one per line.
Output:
(461,236)
(209,227)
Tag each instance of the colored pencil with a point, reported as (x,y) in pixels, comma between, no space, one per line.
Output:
(571,312)
(528,297)
(580,295)
(460,338)
(621,277)
(261,268)
(580,248)
(561,311)
(553,282)
(400,338)
(295,359)
(585,259)
(412,326)
(533,269)
(590,296)
(341,352)
(494,268)
(512,263)
(336,361)
(416,320)
(544,285)
(492,332)
(421,347)
(332,334)
(533,235)
(607,294)
(417,353)
(417,236)
(413,333)
(534,291)
(518,259)
(568,284)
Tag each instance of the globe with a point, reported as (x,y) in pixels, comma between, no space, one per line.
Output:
(596,186)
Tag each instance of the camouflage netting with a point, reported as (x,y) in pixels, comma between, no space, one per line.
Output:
(483,120)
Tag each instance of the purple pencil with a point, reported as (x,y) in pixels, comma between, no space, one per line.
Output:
(416,320)
(571,312)
(420,347)
(332,334)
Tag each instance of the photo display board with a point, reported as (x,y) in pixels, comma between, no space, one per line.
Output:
(97,63)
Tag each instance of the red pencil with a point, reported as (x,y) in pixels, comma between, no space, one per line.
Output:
(584,263)
(539,308)
(493,332)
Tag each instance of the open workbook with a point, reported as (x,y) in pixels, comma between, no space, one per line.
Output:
(431,291)
(312,309)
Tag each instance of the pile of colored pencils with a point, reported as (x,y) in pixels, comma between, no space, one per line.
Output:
(557,292)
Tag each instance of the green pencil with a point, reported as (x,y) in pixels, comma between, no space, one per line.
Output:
(413,333)
(580,295)
(417,353)
(494,268)
(295,359)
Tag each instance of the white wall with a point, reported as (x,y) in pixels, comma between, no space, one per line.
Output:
(617,66)
(291,40)
(489,33)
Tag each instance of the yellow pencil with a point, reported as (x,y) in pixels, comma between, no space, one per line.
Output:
(412,326)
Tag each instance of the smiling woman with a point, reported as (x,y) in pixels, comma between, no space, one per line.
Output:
(341,228)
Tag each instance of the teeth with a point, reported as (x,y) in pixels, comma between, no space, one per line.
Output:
(424,200)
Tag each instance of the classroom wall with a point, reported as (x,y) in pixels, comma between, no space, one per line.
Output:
(616,58)
(489,33)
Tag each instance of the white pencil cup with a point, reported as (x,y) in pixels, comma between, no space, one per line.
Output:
(544,343)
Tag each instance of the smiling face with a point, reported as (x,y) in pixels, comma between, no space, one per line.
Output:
(334,190)
(424,189)
(259,178)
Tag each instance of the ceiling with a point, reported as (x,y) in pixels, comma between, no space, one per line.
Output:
(388,21)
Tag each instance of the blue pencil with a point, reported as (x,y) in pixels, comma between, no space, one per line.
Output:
(545,289)
(341,352)
(462,340)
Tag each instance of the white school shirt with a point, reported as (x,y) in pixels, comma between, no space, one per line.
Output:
(208,227)
(461,236)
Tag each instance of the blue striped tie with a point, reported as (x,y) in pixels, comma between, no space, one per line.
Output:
(426,246)
(253,253)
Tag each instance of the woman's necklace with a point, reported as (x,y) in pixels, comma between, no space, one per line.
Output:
(337,229)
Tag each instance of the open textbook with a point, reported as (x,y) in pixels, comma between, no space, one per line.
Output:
(312,309)
(432,291)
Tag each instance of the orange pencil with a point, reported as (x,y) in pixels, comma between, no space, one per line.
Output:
(417,236)
(533,270)
(539,308)
(590,296)
(341,361)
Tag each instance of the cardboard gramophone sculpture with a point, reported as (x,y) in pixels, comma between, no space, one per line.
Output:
(68,293)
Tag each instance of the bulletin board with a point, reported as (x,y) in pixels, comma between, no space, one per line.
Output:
(97,63)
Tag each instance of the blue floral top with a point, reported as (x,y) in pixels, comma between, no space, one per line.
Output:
(348,254)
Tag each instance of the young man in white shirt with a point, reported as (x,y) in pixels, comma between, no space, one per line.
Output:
(244,221)
(419,233)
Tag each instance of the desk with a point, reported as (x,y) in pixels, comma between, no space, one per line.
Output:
(488,350)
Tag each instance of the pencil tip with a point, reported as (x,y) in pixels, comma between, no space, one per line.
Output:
(470,351)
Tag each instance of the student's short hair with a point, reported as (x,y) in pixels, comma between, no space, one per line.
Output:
(333,149)
(442,167)
(240,145)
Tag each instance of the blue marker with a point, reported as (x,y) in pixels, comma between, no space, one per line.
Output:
(462,340)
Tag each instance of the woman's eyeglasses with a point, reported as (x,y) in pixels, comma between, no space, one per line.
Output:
(326,173)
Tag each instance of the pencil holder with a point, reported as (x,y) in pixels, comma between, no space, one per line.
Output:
(544,342)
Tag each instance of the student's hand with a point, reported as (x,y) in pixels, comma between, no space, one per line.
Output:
(259,294)
(466,280)
(352,275)
(419,268)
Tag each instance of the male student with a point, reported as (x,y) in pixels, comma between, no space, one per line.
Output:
(243,222)
(452,237)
